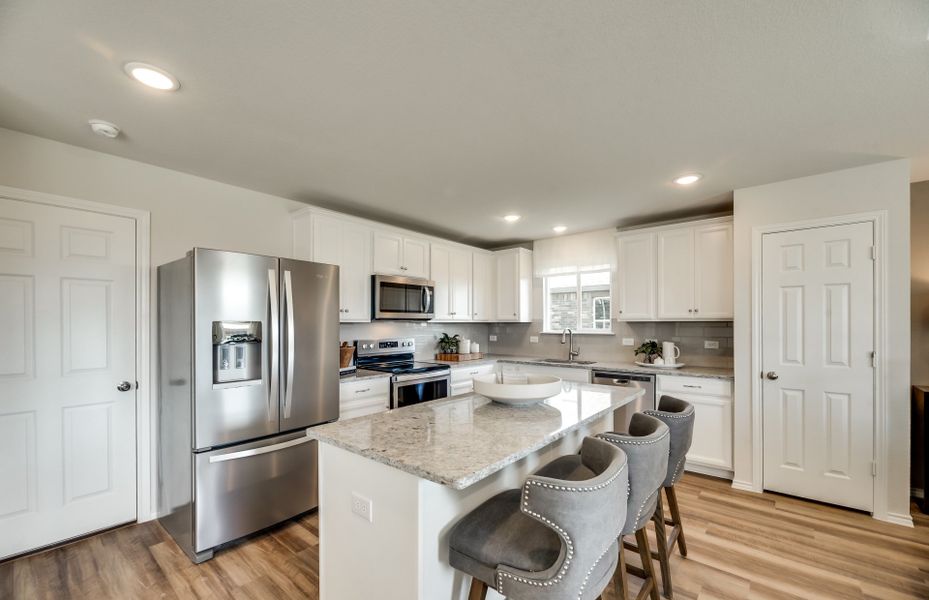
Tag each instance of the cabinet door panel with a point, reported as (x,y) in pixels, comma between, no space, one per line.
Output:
(507,286)
(713,271)
(388,253)
(355,275)
(482,290)
(441,275)
(415,257)
(636,277)
(712,441)
(460,271)
(676,274)
(327,245)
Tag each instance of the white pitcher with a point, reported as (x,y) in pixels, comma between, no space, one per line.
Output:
(670,353)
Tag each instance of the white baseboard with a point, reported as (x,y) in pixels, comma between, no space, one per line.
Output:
(711,471)
(896,519)
(745,486)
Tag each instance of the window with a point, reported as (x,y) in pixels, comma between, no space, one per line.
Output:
(579,301)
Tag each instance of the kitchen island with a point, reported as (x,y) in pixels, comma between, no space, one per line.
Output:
(393,484)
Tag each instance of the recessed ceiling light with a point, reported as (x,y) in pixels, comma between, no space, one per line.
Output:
(103,128)
(152,76)
(688,179)
(559,228)
(511,218)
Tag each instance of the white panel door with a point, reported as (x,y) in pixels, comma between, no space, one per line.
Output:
(676,274)
(355,273)
(442,276)
(388,254)
(460,271)
(415,257)
(507,286)
(482,291)
(818,391)
(636,277)
(713,271)
(67,313)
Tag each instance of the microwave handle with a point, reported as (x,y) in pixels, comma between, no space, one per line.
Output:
(427,298)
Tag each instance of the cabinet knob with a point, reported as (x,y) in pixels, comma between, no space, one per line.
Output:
(514,314)
(696,310)
(690,310)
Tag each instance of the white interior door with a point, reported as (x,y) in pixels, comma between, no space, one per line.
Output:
(818,338)
(67,313)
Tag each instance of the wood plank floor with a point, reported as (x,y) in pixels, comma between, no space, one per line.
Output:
(741,545)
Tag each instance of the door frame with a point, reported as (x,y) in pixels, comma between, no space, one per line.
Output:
(145,456)
(878,220)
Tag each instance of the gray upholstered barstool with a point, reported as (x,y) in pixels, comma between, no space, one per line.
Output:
(554,539)
(678,415)
(646,446)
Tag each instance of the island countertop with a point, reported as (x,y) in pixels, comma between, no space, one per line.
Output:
(461,440)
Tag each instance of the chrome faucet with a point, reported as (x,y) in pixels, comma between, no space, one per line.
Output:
(567,336)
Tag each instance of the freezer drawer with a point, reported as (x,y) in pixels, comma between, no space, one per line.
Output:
(245,488)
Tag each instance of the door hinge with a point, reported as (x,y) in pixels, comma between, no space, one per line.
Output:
(873,469)
(873,252)
(874,359)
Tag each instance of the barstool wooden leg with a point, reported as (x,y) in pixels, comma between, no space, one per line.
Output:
(677,532)
(620,577)
(664,555)
(478,590)
(641,539)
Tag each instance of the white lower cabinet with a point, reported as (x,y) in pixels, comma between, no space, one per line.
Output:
(463,377)
(358,398)
(565,373)
(712,400)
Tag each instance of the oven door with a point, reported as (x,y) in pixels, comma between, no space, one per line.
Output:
(403,298)
(410,390)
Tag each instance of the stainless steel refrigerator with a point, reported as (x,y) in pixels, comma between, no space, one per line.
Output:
(248,359)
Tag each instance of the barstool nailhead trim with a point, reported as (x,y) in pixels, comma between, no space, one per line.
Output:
(561,532)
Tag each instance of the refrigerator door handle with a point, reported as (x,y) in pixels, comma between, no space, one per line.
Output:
(262,450)
(273,341)
(291,343)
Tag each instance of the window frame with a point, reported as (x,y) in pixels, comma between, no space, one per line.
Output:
(578,273)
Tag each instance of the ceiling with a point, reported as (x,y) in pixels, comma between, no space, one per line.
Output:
(445,116)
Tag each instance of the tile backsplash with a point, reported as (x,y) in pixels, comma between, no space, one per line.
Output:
(513,338)
(425,334)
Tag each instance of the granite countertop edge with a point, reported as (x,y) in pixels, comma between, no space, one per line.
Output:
(463,482)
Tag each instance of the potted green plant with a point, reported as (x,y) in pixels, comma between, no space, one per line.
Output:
(650,349)
(448,344)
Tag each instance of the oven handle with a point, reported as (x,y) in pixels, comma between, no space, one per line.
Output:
(418,378)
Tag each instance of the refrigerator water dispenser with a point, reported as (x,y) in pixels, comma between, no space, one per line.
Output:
(236,351)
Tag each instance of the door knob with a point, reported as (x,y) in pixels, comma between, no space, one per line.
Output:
(771,375)
(124,386)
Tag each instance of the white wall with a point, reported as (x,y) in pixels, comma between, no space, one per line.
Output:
(879,187)
(186,211)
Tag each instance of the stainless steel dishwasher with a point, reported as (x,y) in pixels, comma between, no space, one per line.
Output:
(623,415)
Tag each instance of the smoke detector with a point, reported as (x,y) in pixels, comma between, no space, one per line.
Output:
(103,128)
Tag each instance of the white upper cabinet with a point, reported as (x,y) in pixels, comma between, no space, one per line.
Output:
(397,254)
(483,298)
(637,267)
(451,272)
(321,237)
(713,271)
(514,285)
(676,273)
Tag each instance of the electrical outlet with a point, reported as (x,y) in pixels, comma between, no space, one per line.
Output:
(363,507)
(493,338)
(710,345)
(533,339)
(628,341)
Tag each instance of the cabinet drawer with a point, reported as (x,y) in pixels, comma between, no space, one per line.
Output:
(363,406)
(673,384)
(461,374)
(366,388)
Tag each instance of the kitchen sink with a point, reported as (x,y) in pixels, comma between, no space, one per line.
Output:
(567,362)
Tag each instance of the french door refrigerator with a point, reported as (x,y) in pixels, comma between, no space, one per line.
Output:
(248,359)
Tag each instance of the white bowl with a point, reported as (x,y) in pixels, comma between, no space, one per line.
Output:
(536,388)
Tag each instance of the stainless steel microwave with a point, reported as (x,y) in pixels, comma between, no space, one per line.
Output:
(397,297)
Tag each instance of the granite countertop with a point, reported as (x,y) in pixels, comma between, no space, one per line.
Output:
(461,440)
